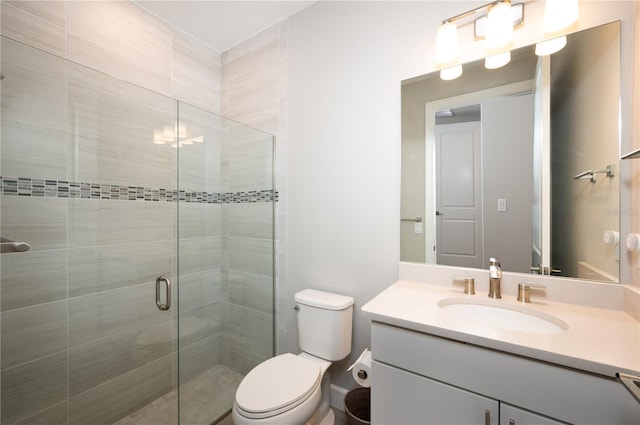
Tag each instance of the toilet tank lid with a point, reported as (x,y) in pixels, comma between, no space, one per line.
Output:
(321,299)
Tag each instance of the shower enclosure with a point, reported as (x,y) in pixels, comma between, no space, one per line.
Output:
(137,277)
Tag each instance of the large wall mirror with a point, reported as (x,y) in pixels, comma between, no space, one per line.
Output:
(519,163)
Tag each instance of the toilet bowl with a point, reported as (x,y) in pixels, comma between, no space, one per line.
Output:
(286,389)
(295,389)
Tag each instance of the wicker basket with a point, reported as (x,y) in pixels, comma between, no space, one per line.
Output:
(357,406)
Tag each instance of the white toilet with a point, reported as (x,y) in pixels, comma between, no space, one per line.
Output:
(293,389)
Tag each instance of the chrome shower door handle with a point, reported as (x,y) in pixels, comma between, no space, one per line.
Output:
(167,304)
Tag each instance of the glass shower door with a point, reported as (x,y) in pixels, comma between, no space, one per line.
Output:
(121,240)
(225,259)
(84,184)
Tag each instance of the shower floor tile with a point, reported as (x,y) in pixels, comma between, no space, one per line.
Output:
(204,399)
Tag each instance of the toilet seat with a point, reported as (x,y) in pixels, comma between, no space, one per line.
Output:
(277,385)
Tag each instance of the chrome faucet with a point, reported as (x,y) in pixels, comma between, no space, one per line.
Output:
(495,276)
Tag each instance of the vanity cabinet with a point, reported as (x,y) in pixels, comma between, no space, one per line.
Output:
(419,378)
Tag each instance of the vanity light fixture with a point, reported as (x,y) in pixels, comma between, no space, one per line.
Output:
(495,25)
(497,29)
(559,17)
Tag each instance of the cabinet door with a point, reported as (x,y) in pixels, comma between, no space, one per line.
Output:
(511,415)
(399,397)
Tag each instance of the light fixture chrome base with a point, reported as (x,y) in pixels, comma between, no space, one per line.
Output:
(480,24)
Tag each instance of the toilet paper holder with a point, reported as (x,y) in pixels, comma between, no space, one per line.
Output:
(361,369)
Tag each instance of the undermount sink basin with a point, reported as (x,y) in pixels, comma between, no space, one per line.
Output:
(503,315)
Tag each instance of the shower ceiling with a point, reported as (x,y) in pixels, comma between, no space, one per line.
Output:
(223,24)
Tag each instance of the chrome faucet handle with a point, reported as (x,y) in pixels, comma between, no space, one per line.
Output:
(469,283)
(524,291)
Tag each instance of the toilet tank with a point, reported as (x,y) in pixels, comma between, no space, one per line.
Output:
(324,323)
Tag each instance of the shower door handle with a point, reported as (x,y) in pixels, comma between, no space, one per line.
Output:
(167,283)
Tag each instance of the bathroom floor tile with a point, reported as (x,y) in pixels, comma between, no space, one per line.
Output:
(203,400)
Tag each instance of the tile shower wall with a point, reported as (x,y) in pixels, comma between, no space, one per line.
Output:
(69,303)
(254,91)
(121,39)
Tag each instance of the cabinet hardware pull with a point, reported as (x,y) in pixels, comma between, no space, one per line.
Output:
(487,417)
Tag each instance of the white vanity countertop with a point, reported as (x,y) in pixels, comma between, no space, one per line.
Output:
(601,341)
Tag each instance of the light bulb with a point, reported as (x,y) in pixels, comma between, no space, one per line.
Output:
(549,47)
(447,48)
(497,61)
(499,36)
(451,73)
(559,17)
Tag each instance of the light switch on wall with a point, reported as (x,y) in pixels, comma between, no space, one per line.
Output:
(417,228)
(502,205)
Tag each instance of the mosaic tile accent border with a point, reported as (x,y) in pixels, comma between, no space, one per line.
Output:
(27,187)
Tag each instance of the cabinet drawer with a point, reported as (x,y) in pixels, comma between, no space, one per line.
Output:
(557,392)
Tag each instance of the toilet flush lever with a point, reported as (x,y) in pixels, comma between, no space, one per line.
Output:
(297,307)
